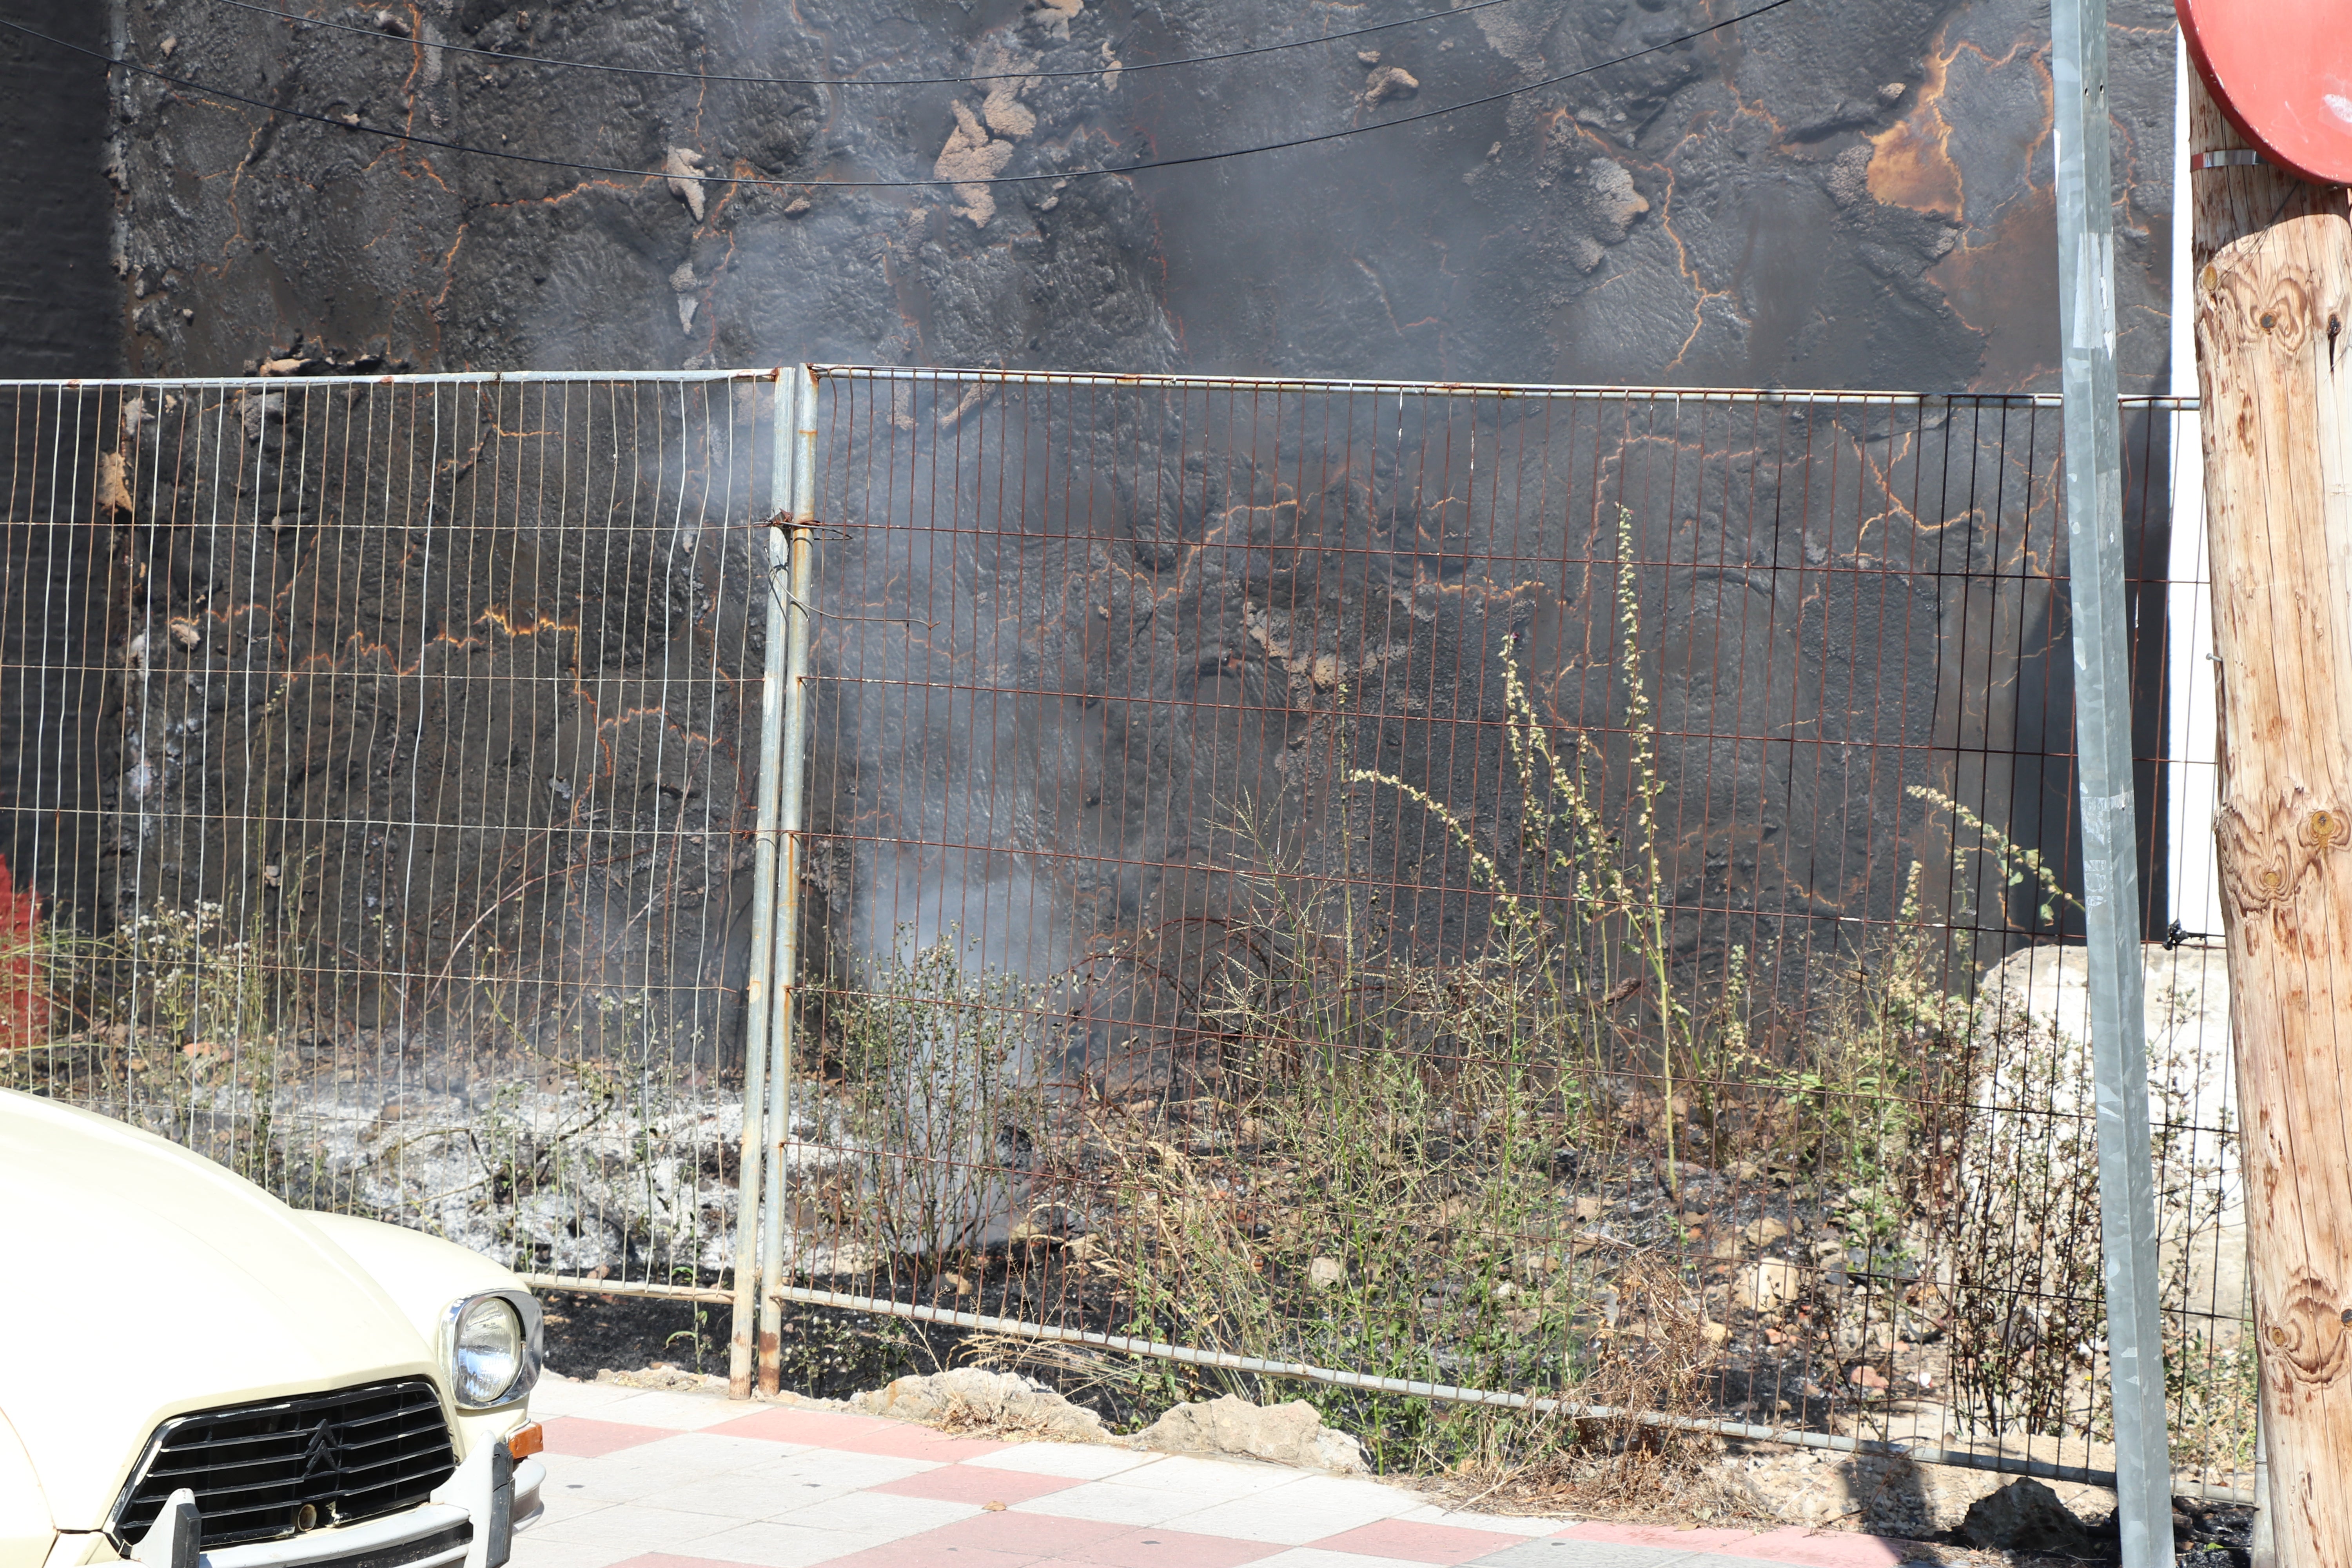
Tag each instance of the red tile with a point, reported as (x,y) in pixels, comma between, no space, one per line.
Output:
(970,1483)
(921,1554)
(1418,1543)
(1036,1534)
(1167,1549)
(1728,1542)
(1824,1549)
(823,1428)
(585,1439)
(667,1560)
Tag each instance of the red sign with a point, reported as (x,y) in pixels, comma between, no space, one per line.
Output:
(2281,71)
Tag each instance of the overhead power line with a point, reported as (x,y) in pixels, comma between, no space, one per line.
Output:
(504,56)
(1139,166)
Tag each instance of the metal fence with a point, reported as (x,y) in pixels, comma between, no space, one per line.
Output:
(377,806)
(1553,898)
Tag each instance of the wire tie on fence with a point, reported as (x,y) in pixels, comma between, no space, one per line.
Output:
(789,597)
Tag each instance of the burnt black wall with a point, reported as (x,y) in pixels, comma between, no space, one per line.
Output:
(60,315)
(59,302)
(1824,196)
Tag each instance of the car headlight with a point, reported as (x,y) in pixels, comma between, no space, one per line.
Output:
(490,1344)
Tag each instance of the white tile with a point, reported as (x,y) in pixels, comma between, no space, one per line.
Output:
(635,1474)
(1315,1557)
(682,1412)
(878,1514)
(1210,1480)
(1308,1509)
(624,1477)
(1079,1461)
(629,1524)
(556,1504)
(1112,1502)
(769,1491)
(771,1545)
(830,1472)
(712,1455)
(531,1551)
(1498,1523)
(558,1395)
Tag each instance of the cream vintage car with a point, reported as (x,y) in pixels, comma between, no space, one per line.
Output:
(195,1375)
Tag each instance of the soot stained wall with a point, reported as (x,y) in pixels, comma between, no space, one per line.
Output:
(1819,197)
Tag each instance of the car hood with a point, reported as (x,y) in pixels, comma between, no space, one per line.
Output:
(152,1282)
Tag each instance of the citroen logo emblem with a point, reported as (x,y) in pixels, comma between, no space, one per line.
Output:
(323,1457)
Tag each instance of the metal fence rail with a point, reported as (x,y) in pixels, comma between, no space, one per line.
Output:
(1556,897)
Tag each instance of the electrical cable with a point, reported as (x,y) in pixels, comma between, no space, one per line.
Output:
(1142,166)
(380,36)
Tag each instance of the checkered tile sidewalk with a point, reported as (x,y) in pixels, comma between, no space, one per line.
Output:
(690,1480)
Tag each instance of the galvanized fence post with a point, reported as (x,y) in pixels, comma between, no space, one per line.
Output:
(2094,455)
(753,1144)
(785,993)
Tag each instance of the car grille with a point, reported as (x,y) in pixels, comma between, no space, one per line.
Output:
(349,1455)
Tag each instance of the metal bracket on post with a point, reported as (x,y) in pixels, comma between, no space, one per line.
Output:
(754,1142)
(2094,455)
(785,991)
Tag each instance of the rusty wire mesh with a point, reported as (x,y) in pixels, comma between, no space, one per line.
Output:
(377,799)
(1543,890)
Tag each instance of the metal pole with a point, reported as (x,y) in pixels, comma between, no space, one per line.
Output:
(2263,1551)
(786,993)
(2095,536)
(763,910)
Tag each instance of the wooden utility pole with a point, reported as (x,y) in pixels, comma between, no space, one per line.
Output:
(2271,255)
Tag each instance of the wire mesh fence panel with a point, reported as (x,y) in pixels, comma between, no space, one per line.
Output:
(1568,893)
(378,791)
(1547,892)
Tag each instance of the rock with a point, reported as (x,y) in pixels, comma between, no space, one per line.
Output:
(683,165)
(969,157)
(2026,1516)
(1769,1285)
(113,491)
(1849,180)
(1716,1334)
(970,1396)
(1766,1231)
(1056,15)
(663,1377)
(1325,1272)
(1616,204)
(1385,82)
(1290,1434)
(2034,1008)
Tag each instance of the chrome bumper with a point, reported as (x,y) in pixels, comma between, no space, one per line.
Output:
(470,1520)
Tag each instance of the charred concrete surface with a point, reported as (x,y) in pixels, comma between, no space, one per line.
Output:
(1818,198)
(1811,198)
(58,294)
